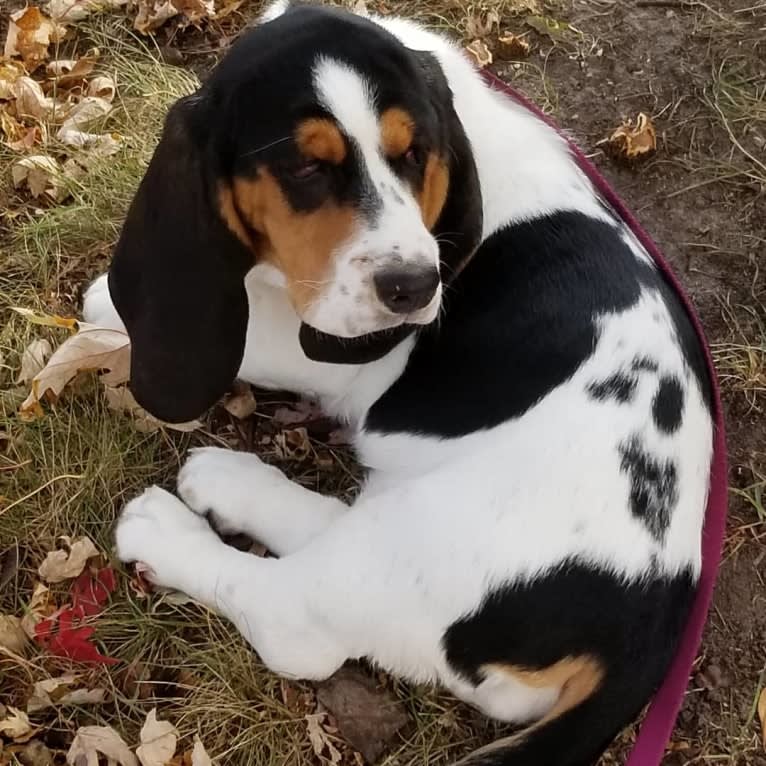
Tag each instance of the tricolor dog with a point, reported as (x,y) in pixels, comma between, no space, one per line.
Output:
(346,210)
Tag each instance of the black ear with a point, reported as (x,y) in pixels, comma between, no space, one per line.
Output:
(459,226)
(177,276)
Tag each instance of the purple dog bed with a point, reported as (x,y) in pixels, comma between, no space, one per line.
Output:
(660,719)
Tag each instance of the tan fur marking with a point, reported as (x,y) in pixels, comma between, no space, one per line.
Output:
(300,245)
(320,139)
(397,129)
(579,678)
(228,211)
(433,195)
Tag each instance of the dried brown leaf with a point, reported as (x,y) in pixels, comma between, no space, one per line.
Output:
(41,174)
(40,606)
(199,756)
(634,141)
(158,741)
(83,114)
(196,10)
(16,725)
(152,14)
(30,32)
(12,635)
(121,399)
(69,561)
(241,404)
(762,715)
(89,741)
(92,348)
(33,359)
(45,320)
(76,10)
(35,753)
(511,46)
(102,87)
(557,31)
(10,71)
(293,444)
(480,53)
(31,102)
(68,73)
(56,692)
(320,739)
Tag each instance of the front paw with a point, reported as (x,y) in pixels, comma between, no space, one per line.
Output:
(158,530)
(226,485)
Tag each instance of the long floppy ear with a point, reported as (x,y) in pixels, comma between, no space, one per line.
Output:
(177,276)
(459,226)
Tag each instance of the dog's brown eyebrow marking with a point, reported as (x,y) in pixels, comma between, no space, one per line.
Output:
(320,139)
(433,192)
(397,129)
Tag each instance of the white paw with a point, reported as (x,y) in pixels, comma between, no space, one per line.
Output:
(227,486)
(97,306)
(158,530)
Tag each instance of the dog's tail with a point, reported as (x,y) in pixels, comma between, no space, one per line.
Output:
(574,733)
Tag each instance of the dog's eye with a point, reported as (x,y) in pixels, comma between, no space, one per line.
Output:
(305,170)
(413,156)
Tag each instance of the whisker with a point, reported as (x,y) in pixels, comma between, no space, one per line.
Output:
(267,146)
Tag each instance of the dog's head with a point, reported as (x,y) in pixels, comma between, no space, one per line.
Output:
(323,147)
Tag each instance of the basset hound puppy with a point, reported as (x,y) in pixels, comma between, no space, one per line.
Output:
(345,209)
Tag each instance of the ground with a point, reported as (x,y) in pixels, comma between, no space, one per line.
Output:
(697,69)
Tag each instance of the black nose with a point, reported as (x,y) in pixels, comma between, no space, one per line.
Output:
(404,289)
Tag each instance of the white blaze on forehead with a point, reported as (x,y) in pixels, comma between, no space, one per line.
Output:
(350,98)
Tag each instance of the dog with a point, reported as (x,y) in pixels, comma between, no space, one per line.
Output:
(345,209)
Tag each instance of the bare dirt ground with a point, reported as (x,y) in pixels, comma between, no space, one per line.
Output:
(699,70)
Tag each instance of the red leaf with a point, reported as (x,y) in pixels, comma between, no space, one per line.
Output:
(91,592)
(63,633)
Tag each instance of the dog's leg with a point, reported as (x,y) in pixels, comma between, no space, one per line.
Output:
(271,611)
(244,494)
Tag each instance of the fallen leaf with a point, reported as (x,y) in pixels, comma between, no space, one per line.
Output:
(10,72)
(293,444)
(158,741)
(121,399)
(199,756)
(557,31)
(56,692)
(31,102)
(367,717)
(77,10)
(482,23)
(91,348)
(631,141)
(89,741)
(39,608)
(83,114)
(91,590)
(46,320)
(320,740)
(67,562)
(30,33)
(33,359)
(196,10)
(9,565)
(762,715)
(102,87)
(480,53)
(303,412)
(241,404)
(511,46)
(12,635)
(67,73)
(41,174)
(16,725)
(64,635)
(152,14)
(35,753)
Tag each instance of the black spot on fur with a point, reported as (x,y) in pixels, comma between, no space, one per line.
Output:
(668,404)
(620,387)
(644,364)
(653,486)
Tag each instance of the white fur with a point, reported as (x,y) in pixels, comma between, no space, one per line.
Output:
(505,504)
(347,305)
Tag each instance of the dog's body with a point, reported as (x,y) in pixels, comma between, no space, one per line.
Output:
(529,532)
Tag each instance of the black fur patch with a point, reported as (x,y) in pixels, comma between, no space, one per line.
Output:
(668,404)
(653,486)
(570,611)
(620,386)
(644,364)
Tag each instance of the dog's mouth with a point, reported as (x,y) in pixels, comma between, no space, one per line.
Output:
(362,349)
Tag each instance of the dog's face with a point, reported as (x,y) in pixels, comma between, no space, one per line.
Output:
(322,147)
